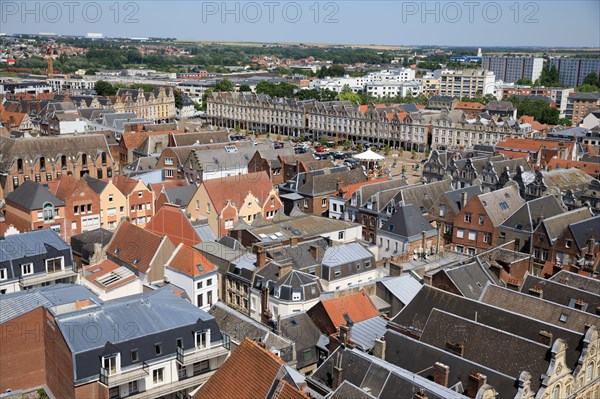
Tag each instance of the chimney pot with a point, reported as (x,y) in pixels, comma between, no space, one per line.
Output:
(536,291)
(545,338)
(463,199)
(440,374)
(379,348)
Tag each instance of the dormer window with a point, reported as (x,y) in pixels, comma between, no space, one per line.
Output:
(203,339)
(42,164)
(84,160)
(19,165)
(111,363)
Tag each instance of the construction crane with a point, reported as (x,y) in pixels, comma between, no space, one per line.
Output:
(50,52)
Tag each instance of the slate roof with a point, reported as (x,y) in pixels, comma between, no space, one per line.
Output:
(422,196)
(577,281)
(32,196)
(363,373)
(480,345)
(206,137)
(256,372)
(585,230)
(324,181)
(404,287)
(83,243)
(30,244)
(300,226)
(531,213)
(95,184)
(299,328)
(545,311)
(180,195)
(382,193)
(561,294)
(364,333)
(408,222)
(554,226)
(567,179)
(492,203)
(454,197)
(470,278)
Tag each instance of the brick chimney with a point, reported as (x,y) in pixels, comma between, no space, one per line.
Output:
(293,241)
(345,335)
(338,185)
(536,291)
(428,279)
(441,373)
(338,373)
(545,338)
(261,256)
(463,199)
(579,304)
(457,349)
(379,348)
(421,394)
(315,251)
(265,313)
(476,381)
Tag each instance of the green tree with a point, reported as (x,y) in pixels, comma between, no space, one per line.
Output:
(549,77)
(178,98)
(386,149)
(524,82)
(224,85)
(245,88)
(586,88)
(591,79)
(104,88)
(355,98)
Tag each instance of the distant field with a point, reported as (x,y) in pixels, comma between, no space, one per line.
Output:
(323,45)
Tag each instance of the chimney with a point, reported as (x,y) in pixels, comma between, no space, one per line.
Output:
(463,199)
(579,304)
(536,291)
(338,185)
(293,241)
(315,251)
(345,334)
(476,381)
(395,269)
(338,373)
(591,245)
(457,349)
(545,338)
(265,314)
(428,279)
(379,348)
(441,373)
(424,243)
(261,256)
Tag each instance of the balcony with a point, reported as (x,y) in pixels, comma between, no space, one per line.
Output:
(40,278)
(166,389)
(124,376)
(191,356)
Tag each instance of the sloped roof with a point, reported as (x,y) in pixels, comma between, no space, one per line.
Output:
(527,217)
(562,294)
(577,281)
(342,254)
(357,306)
(350,189)
(407,222)
(585,230)
(255,371)
(236,188)
(124,184)
(404,287)
(189,261)
(32,196)
(134,245)
(180,195)
(555,225)
(501,204)
(470,278)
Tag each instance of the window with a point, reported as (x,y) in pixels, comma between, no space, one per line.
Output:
(208,207)
(468,217)
(140,194)
(48,212)
(158,375)
(324,202)
(199,285)
(272,201)
(502,235)
(556,392)
(337,272)
(340,235)
(113,393)
(203,339)
(442,210)
(199,301)
(133,386)
(589,375)
(460,233)
(296,296)
(472,235)
(110,198)
(158,349)
(544,255)
(135,356)
(3,274)
(481,219)
(168,172)
(84,160)
(54,265)
(568,243)
(487,238)
(110,364)
(26,269)
(209,298)
(168,161)
(229,223)
(305,202)
(121,210)
(76,210)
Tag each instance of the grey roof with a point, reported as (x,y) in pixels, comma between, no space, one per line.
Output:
(422,196)
(364,333)
(342,254)
(404,287)
(205,232)
(83,243)
(379,378)
(470,278)
(324,181)
(555,225)
(349,390)
(29,244)
(561,294)
(95,184)
(408,222)
(239,327)
(454,196)
(32,196)
(577,281)
(21,302)
(531,213)
(585,230)
(181,195)
(299,328)
(493,203)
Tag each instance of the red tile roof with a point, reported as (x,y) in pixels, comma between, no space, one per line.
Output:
(135,139)
(190,262)
(124,184)
(592,169)
(469,105)
(134,245)
(236,188)
(17,118)
(171,221)
(103,268)
(513,154)
(530,145)
(249,373)
(157,187)
(358,306)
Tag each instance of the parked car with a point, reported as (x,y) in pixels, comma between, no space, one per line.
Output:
(319,149)
(300,150)
(277,145)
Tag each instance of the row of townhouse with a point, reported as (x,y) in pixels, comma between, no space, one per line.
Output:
(368,124)
(157,105)
(71,206)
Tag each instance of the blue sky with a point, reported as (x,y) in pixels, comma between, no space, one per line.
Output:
(546,23)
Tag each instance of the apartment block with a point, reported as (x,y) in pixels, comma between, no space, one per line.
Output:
(512,68)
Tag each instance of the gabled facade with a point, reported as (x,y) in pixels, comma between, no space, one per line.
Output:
(140,200)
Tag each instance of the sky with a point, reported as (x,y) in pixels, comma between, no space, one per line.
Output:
(545,23)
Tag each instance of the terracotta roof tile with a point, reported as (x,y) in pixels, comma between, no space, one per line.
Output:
(351,188)
(134,245)
(236,188)
(249,373)
(124,184)
(157,187)
(514,154)
(358,306)
(527,144)
(469,105)
(172,222)
(135,139)
(94,272)
(190,262)
(592,169)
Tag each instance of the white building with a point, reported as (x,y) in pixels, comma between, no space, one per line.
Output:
(466,83)
(512,68)
(189,269)
(358,84)
(111,281)
(70,86)
(393,89)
